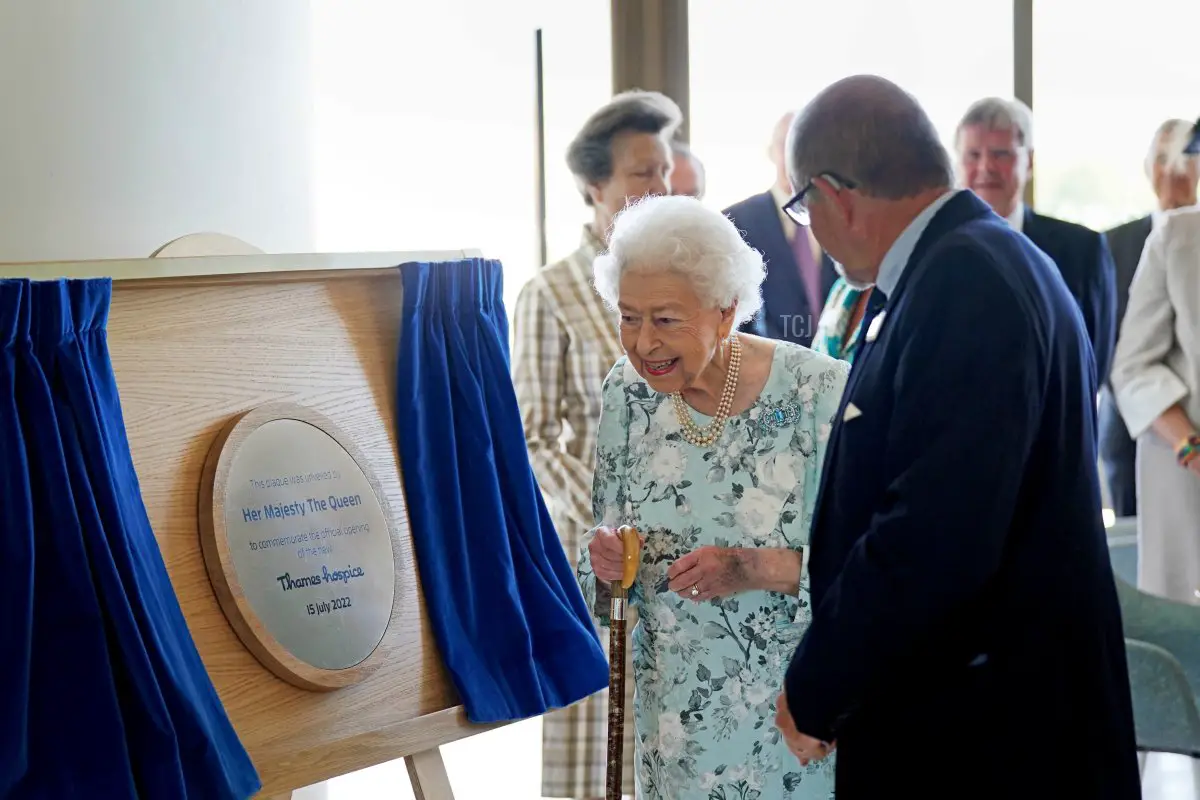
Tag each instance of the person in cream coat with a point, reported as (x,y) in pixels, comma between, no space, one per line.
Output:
(1156,379)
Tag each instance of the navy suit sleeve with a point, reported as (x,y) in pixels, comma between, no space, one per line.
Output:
(1100,305)
(966,407)
(757,325)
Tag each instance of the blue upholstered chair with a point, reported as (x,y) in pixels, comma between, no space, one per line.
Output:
(1165,716)
(1173,626)
(1123,548)
(1163,651)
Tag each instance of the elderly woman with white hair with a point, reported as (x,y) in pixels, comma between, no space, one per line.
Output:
(710,443)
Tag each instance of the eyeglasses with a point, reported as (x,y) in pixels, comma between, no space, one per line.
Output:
(797,207)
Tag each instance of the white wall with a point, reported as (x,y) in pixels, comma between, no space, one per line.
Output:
(127,123)
(424,128)
(424,123)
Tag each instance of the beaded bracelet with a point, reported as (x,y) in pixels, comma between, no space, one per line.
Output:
(1188,450)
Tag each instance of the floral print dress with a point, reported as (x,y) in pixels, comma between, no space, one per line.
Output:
(707,675)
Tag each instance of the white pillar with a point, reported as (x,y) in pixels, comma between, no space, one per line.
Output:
(126,123)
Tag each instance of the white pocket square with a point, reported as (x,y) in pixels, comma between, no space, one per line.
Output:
(852,412)
(876,324)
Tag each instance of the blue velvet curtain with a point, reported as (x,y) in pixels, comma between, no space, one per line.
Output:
(102,691)
(508,615)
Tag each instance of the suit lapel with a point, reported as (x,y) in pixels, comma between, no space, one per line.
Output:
(1135,243)
(778,252)
(962,208)
(876,304)
(1144,228)
(782,283)
(1035,230)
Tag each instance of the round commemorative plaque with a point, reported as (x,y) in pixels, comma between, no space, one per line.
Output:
(297,540)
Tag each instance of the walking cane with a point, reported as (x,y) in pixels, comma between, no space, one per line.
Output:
(632,545)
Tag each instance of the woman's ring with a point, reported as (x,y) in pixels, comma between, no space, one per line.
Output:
(695,590)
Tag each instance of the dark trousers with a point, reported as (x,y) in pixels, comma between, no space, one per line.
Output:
(1118,454)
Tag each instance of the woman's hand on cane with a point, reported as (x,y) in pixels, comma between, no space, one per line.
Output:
(607,551)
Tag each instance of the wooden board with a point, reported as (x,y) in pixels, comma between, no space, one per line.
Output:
(193,352)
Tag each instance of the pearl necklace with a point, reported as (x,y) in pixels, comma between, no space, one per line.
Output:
(708,435)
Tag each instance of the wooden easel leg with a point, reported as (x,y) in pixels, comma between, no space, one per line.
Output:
(427,772)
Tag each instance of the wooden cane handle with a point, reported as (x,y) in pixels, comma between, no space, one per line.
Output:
(632,545)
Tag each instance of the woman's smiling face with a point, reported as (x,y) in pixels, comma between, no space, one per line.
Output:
(669,335)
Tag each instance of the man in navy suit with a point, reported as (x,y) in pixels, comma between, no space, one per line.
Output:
(994,140)
(799,274)
(966,639)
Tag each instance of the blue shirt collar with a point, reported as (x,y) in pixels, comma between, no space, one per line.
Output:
(897,256)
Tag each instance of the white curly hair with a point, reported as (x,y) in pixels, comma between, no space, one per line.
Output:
(681,235)
(1169,141)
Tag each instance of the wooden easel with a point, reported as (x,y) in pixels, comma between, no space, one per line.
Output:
(196,341)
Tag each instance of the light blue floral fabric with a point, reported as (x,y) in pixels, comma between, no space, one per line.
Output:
(707,675)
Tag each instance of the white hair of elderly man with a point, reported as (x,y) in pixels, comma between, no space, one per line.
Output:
(1170,140)
(1000,114)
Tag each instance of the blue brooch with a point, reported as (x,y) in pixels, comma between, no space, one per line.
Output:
(778,417)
